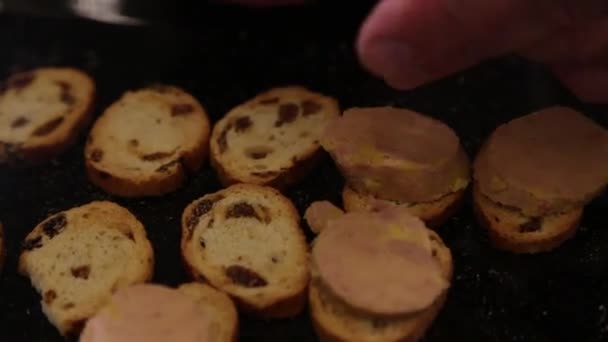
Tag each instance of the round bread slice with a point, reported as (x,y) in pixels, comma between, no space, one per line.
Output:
(434,213)
(42,112)
(272,139)
(334,320)
(509,229)
(77,258)
(147,142)
(219,305)
(246,241)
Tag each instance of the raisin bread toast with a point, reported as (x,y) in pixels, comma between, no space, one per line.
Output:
(42,112)
(510,230)
(272,139)
(77,258)
(246,241)
(434,213)
(147,142)
(220,306)
(334,320)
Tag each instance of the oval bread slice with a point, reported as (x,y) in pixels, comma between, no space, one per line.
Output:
(77,258)
(336,321)
(246,241)
(146,143)
(219,305)
(272,139)
(42,112)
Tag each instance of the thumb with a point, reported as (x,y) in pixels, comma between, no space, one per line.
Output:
(411,42)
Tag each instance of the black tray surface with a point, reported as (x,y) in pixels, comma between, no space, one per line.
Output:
(224,55)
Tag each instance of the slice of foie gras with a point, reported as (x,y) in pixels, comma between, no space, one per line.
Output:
(149,313)
(550,161)
(320,213)
(396,154)
(380,263)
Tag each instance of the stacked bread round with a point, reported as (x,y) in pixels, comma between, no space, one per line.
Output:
(391,156)
(534,176)
(376,276)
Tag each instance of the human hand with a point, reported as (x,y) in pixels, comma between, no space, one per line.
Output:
(413,42)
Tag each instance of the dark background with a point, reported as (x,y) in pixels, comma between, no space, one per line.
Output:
(224,55)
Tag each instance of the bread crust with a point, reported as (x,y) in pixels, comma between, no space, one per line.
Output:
(510,230)
(293,175)
(160,177)
(330,326)
(283,308)
(36,150)
(282,176)
(434,214)
(272,306)
(80,221)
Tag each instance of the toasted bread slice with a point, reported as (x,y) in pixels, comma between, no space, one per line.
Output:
(272,139)
(434,214)
(334,320)
(510,230)
(147,142)
(219,305)
(246,241)
(77,258)
(42,112)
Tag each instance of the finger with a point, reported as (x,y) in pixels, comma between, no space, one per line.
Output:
(587,44)
(411,42)
(590,84)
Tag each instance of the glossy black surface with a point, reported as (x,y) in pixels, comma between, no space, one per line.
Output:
(226,55)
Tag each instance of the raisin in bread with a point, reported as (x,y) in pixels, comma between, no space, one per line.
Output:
(246,240)
(272,139)
(220,307)
(509,229)
(148,142)
(334,320)
(42,113)
(77,258)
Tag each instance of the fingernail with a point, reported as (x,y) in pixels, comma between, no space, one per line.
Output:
(395,62)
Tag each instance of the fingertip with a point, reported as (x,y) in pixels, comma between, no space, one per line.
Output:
(384,52)
(394,62)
